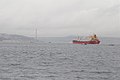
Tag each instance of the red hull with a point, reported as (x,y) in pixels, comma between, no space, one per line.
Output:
(86,42)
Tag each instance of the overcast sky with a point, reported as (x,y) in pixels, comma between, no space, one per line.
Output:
(60,17)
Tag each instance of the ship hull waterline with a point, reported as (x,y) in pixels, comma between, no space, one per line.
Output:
(85,42)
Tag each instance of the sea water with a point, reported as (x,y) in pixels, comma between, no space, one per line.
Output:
(59,61)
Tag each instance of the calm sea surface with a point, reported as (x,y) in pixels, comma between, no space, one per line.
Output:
(58,61)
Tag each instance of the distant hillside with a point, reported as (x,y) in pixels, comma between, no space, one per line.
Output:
(4,36)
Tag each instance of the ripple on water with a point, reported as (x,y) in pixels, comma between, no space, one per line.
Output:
(59,62)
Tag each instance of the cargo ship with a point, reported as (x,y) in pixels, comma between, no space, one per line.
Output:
(93,40)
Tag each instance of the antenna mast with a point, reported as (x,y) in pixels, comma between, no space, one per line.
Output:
(36,33)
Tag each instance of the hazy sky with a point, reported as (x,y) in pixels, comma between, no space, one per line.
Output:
(60,17)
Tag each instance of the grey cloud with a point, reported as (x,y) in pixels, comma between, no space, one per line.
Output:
(59,17)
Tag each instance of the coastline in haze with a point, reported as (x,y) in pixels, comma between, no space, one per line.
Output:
(68,39)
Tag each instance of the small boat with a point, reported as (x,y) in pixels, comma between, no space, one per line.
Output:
(93,40)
